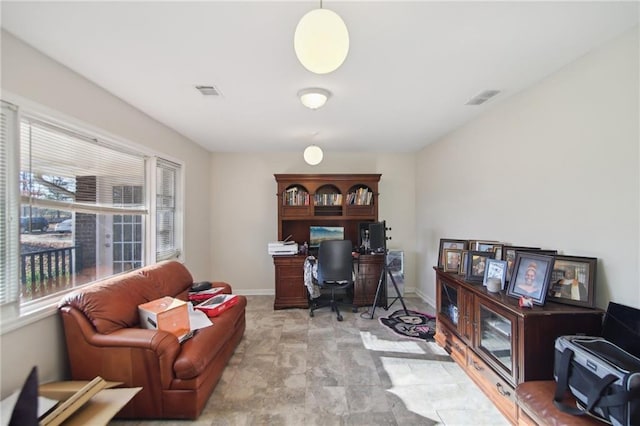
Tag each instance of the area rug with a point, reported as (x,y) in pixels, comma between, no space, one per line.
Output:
(416,325)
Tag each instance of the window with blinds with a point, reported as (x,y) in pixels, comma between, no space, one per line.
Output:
(78,208)
(166,190)
(9,246)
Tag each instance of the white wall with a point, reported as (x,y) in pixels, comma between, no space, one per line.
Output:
(31,75)
(556,166)
(244,209)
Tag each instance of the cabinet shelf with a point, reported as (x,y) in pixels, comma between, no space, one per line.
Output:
(329,203)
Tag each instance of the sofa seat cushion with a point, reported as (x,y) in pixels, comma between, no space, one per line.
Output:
(198,352)
(112,304)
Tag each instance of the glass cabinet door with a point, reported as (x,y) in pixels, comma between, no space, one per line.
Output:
(495,338)
(449,306)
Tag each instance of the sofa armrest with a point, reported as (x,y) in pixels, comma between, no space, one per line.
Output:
(135,356)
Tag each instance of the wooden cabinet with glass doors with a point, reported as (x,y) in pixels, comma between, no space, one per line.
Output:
(498,343)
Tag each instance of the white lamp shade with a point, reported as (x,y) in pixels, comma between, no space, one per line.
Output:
(313,155)
(321,41)
(313,98)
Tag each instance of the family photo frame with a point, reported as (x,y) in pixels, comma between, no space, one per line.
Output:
(449,244)
(531,276)
(452,259)
(463,262)
(493,246)
(476,264)
(573,280)
(496,269)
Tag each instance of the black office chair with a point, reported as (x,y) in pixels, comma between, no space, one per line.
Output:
(334,273)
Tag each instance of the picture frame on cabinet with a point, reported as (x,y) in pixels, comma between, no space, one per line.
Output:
(476,264)
(496,269)
(452,259)
(482,245)
(463,262)
(509,255)
(531,276)
(447,243)
(573,280)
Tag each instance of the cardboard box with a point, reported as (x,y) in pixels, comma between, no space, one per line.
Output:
(217,304)
(166,314)
(99,409)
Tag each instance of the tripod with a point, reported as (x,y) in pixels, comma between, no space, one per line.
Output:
(381,228)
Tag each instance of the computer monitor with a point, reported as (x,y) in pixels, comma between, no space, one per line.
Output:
(324,233)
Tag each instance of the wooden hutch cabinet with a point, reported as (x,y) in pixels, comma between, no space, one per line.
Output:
(306,200)
(498,343)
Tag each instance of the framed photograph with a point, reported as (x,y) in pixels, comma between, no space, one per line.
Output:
(476,264)
(573,281)
(494,246)
(482,245)
(446,243)
(463,262)
(496,269)
(452,259)
(531,276)
(509,255)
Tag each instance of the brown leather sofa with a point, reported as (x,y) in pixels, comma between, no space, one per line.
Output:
(104,339)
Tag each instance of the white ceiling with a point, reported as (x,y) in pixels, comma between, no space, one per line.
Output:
(410,69)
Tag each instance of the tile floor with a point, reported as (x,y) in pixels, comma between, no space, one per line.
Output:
(291,369)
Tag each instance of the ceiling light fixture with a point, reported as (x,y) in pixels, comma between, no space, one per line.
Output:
(314,98)
(321,41)
(313,155)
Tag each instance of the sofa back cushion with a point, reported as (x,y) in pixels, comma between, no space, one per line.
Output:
(112,304)
(170,278)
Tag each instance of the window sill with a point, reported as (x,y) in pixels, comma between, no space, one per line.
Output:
(14,318)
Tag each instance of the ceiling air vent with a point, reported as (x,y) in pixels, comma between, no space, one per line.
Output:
(208,90)
(482,97)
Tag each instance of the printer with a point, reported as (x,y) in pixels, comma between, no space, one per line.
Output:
(283,248)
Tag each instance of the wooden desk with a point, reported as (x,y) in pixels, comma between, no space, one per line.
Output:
(292,293)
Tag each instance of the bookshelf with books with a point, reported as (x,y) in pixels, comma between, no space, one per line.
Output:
(306,200)
(331,200)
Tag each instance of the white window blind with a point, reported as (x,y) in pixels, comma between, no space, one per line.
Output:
(94,185)
(76,207)
(9,245)
(166,215)
(60,169)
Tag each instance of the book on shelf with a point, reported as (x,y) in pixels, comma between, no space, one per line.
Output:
(327,199)
(360,197)
(295,197)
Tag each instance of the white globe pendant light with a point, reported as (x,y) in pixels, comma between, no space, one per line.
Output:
(321,41)
(313,155)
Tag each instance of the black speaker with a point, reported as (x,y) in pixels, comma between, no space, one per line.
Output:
(377,236)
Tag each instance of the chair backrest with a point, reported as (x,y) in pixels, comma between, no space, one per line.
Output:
(335,262)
